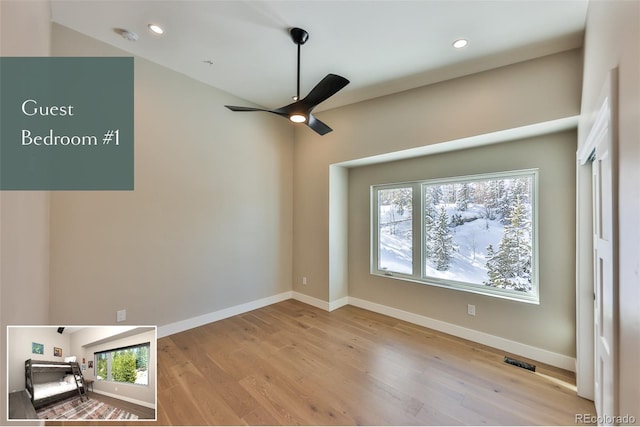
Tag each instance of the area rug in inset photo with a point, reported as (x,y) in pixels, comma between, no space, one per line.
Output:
(76,409)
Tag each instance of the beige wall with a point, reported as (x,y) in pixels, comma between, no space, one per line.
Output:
(613,40)
(526,93)
(24,216)
(25,28)
(208,225)
(549,325)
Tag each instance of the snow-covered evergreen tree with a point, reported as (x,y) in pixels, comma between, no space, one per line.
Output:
(494,195)
(464,195)
(430,197)
(517,238)
(521,189)
(493,270)
(443,247)
(510,266)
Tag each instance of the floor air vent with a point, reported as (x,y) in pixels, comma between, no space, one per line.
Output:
(519,364)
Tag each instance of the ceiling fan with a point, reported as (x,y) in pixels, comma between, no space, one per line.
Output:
(300,110)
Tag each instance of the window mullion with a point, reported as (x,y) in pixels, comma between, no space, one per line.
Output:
(109,366)
(417,230)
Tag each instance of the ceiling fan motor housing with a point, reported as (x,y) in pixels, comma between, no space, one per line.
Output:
(299,36)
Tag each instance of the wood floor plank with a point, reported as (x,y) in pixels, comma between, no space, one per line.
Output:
(293,364)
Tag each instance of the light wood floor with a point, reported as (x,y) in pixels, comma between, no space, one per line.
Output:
(293,364)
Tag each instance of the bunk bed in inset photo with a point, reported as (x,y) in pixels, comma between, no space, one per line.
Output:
(47,382)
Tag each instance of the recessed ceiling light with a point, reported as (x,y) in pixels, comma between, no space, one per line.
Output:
(157,29)
(460,43)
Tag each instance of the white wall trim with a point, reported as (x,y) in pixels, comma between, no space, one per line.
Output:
(318,303)
(126,399)
(194,322)
(525,350)
(522,132)
(334,305)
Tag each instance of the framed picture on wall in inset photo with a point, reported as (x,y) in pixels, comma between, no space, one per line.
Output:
(37,348)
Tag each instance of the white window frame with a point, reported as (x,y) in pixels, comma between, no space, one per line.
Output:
(418,237)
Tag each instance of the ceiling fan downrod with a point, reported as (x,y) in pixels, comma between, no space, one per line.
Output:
(299,37)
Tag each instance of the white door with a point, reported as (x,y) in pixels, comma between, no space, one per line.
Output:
(605,275)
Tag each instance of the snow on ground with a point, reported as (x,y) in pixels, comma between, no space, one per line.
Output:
(395,242)
(468,261)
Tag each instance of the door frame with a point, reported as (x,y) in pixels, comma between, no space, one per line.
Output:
(605,119)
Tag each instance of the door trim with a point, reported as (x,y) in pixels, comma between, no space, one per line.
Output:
(604,119)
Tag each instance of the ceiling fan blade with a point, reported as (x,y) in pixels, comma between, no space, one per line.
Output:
(235,108)
(317,125)
(244,109)
(327,87)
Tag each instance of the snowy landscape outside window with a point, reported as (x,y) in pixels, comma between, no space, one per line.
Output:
(125,365)
(395,224)
(475,233)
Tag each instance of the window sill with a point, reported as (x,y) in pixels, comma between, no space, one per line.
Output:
(475,289)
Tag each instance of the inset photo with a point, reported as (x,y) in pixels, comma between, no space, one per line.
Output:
(81,373)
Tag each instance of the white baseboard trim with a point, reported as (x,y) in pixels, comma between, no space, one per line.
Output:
(334,305)
(126,399)
(318,303)
(194,322)
(513,347)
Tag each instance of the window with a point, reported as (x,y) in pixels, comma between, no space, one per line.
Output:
(395,229)
(124,365)
(475,233)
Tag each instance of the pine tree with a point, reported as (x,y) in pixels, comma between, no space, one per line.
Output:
(123,367)
(505,202)
(463,196)
(521,189)
(430,196)
(442,241)
(493,196)
(493,271)
(510,266)
(142,358)
(517,237)
(448,193)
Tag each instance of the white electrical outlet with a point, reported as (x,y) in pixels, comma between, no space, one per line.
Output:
(471,309)
(304,280)
(121,315)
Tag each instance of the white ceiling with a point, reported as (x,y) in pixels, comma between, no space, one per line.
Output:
(381,46)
